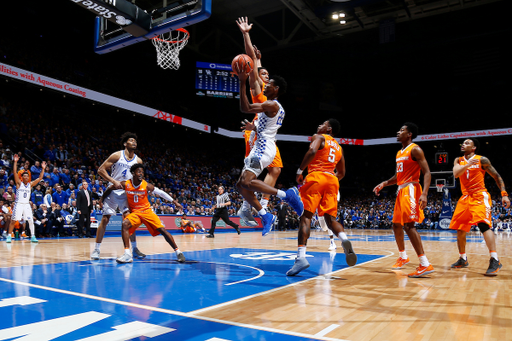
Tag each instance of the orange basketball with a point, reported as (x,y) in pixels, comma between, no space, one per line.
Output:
(242,63)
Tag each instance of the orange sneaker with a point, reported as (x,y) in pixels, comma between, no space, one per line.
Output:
(24,235)
(422,271)
(400,262)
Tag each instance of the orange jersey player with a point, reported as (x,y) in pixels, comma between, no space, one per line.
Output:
(188,226)
(137,190)
(411,199)
(258,79)
(474,206)
(319,191)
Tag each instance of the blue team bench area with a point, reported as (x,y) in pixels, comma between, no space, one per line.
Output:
(156,298)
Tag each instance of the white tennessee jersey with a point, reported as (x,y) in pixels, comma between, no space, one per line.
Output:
(268,126)
(23,193)
(120,170)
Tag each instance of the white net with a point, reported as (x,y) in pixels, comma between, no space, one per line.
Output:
(168,47)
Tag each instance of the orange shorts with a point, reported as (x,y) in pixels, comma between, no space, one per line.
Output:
(148,218)
(188,229)
(320,191)
(407,208)
(472,209)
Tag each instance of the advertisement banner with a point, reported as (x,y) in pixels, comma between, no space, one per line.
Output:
(173,222)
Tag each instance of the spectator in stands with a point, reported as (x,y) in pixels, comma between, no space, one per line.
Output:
(4,179)
(60,197)
(61,156)
(68,224)
(9,194)
(65,177)
(6,159)
(36,169)
(55,177)
(42,221)
(71,198)
(71,189)
(57,221)
(48,197)
(37,196)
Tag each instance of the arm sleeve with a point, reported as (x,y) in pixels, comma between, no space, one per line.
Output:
(158,192)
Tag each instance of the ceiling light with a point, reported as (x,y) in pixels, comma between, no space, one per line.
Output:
(335,16)
(343,22)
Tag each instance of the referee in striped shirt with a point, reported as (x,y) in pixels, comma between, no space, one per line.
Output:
(221,212)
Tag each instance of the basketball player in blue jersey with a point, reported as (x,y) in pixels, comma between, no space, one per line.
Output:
(270,118)
(22,207)
(119,164)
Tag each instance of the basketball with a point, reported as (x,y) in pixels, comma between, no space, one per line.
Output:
(242,63)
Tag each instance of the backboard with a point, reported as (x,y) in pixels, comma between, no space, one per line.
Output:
(445,178)
(166,15)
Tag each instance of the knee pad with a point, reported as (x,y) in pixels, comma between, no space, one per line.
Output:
(483,227)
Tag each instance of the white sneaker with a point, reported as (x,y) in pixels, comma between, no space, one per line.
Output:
(332,247)
(95,255)
(125,258)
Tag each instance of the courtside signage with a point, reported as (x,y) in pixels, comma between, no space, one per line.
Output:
(68,88)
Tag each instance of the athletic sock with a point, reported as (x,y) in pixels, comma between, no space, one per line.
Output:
(301,252)
(134,245)
(463,256)
(494,255)
(264,203)
(342,236)
(98,245)
(281,194)
(423,260)
(403,254)
(127,251)
(262,212)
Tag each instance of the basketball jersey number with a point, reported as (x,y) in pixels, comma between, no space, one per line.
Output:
(280,119)
(399,167)
(332,155)
(135,198)
(25,195)
(124,173)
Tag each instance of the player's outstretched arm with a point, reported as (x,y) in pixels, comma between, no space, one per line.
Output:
(159,193)
(17,180)
(317,142)
(107,165)
(486,165)
(389,182)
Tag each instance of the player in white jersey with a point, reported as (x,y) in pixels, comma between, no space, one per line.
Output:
(22,207)
(270,118)
(119,164)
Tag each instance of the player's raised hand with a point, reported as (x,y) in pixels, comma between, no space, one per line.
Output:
(378,188)
(43,165)
(243,24)
(246,125)
(242,76)
(16,157)
(257,52)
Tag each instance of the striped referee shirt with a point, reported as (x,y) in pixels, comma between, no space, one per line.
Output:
(222,199)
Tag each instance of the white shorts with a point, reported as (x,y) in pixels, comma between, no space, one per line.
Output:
(260,157)
(116,199)
(22,212)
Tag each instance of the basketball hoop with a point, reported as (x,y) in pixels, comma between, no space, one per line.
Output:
(168,47)
(440,187)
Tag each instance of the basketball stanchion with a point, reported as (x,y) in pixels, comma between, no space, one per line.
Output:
(168,47)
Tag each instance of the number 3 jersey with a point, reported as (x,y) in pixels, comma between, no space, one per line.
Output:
(407,170)
(137,196)
(325,159)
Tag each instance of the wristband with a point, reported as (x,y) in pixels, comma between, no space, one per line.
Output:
(504,194)
(299,171)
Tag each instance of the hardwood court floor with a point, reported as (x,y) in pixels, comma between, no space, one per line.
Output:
(366,302)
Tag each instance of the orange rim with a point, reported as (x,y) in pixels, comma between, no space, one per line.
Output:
(175,41)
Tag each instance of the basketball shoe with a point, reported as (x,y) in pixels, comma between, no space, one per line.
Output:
(125,258)
(33,239)
(350,255)
(268,220)
(494,267)
(137,254)
(247,217)
(181,257)
(333,246)
(400,262)
(95,255)
(299,265)
(8,239)
(422,271)
(293,199)
(460,263)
